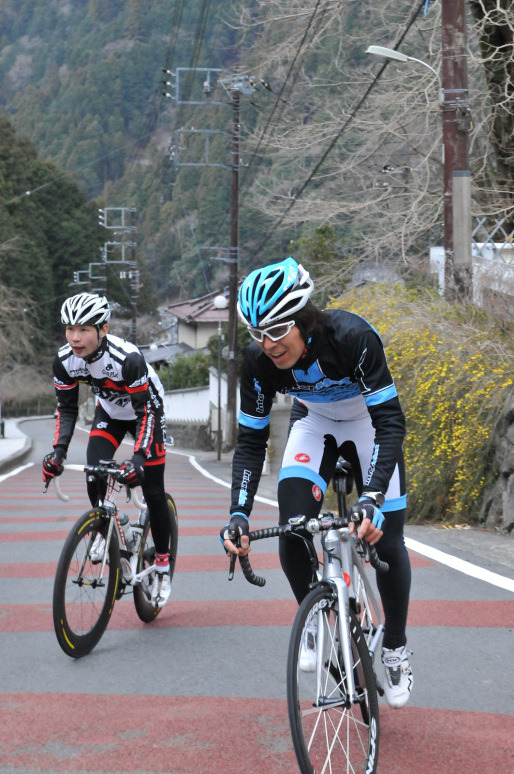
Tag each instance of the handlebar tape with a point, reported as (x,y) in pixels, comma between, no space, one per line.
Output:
(374,560)
(249,574)
(259,534)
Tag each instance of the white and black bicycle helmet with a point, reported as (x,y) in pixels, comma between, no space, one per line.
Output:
(85,309)
(274,293)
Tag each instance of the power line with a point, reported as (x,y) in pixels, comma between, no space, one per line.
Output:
(279,96)
(279,100)
(188,87)
(74,171)
(172,44)
(339,134)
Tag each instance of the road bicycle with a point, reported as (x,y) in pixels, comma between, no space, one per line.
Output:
(98,564)
(333,710)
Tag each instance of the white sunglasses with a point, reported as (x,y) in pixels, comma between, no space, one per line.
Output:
(274,332)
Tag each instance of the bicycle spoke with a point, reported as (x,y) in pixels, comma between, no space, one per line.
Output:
(330,729)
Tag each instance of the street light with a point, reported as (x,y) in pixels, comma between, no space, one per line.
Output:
(398,56)
(220,302)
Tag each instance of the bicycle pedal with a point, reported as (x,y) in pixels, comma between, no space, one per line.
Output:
(126,570)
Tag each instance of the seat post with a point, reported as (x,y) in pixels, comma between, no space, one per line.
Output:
(342,483)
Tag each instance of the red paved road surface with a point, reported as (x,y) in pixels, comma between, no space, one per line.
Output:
(161,729)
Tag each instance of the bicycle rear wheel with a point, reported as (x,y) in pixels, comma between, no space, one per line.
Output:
(330,732)
(82,601)
(143,591)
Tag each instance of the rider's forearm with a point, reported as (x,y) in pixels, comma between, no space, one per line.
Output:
(247,465)
(389,423)
(65,424)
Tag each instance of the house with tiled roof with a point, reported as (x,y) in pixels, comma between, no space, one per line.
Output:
(197,319)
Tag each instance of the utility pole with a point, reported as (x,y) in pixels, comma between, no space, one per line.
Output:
(234,265)
(234,86)
(456,127)
(134,279)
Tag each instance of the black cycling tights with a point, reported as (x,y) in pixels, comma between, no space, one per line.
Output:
(100,448)
(295,496)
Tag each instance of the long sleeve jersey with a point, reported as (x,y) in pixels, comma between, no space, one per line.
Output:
(342,373)
(125,385)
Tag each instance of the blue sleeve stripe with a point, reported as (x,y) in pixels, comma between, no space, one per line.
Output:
(259,423)
(239,513)
(396,504)
(300,471)
(381,396)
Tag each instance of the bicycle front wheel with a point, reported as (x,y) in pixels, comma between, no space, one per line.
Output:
(143,590)
(330,730)
(83,600)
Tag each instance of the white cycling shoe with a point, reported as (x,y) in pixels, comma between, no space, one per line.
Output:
(96,554)
(307,657)
(161,589)
(398,676)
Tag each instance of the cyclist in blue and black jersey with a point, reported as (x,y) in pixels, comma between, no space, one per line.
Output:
(345,403)
(129,399)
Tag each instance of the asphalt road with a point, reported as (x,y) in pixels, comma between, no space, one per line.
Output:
(202,689)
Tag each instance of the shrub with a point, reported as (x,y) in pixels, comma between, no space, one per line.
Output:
(186,371)
(453,370)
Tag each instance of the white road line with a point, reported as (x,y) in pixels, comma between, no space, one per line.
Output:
(15,471)
(467,568)
(414,545)
(460,565)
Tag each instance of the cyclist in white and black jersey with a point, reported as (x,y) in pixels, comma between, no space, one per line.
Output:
(129,399)
(346,403)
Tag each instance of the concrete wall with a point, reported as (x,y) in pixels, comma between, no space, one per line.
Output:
(493,277)
(191,435)
(189,405)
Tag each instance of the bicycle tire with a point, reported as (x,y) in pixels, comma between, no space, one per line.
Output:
(143,591)
(341,736)
(81,608)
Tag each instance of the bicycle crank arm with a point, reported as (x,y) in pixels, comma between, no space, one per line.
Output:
(376,638)
(140,575)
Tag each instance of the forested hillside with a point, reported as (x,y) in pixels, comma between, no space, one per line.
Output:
(46,235)
(340,162)
(83,81)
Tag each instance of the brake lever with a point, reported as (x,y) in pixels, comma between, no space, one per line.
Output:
(232,566)
(235,538)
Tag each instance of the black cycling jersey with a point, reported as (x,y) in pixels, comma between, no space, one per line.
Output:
(126,386)
(342,372)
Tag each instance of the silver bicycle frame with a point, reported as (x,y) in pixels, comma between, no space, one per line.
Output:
(340,557)
(112,514)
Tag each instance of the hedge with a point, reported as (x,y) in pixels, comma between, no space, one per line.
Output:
(453,370)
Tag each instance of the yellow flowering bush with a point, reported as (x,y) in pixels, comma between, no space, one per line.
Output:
(452,369)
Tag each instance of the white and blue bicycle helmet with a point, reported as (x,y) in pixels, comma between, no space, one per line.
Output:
(85,309)
(273,293)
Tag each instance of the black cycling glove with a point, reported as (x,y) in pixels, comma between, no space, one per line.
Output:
(239,524)
(132,471)
(365,508)
(52,465)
